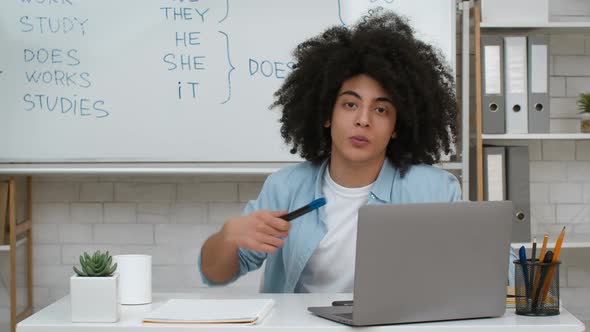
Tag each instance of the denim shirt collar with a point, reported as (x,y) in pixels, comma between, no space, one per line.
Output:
(381,191)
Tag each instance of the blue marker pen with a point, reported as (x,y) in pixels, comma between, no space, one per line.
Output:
(303,210)
(525,272)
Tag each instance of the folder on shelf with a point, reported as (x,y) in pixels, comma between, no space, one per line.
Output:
(493,102)
(518,191)
(515,57)
(538,84)
(210,311)
(494,173)
(3,210)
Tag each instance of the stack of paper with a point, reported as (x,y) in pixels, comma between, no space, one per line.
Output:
(204,311)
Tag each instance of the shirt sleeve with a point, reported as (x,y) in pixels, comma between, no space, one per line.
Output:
(454,191)
(511,258)
(250,260)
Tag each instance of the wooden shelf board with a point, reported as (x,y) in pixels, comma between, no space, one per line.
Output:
(550,136)
(6,247)
(539,25)
(570,241)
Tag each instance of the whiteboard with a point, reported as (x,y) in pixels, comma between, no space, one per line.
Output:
(164,81)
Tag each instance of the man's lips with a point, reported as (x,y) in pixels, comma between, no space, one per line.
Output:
(358,140)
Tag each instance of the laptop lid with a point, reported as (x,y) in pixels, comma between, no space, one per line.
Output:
(431,261)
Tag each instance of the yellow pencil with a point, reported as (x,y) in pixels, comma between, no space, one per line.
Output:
(556,251)
(541,258)
(543,248)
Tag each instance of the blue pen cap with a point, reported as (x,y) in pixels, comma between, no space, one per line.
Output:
(317,203)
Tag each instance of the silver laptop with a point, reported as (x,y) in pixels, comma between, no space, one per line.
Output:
(428,262)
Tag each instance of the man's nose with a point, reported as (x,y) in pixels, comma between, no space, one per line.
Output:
(362,118)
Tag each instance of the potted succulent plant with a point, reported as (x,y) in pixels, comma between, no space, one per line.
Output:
(93,289)
(584,106)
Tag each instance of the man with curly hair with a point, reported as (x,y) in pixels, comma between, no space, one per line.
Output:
(370,108)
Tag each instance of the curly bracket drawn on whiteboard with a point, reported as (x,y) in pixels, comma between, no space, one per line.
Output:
(226,11)
(340,13)
(231,66)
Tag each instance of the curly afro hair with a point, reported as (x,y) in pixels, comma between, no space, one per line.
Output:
(383,46)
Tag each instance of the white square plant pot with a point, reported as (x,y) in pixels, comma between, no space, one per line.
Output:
(94,299)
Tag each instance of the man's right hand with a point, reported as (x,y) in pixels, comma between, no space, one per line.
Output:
(261,230)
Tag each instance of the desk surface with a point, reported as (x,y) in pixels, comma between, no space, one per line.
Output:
(288,315)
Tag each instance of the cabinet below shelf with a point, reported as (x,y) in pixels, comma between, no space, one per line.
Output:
(562,136)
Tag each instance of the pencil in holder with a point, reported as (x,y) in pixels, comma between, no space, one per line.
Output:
(536,288)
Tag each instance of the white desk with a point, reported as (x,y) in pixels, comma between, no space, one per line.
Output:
(288,315)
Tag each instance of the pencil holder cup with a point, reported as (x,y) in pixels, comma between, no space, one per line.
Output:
(536,288)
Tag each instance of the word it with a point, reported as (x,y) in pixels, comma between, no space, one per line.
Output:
(193,89)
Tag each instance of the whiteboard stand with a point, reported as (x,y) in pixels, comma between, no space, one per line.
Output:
(20,233)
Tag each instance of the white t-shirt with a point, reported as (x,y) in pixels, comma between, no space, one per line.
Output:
(331,267)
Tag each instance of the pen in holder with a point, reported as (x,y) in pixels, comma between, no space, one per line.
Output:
(536,288)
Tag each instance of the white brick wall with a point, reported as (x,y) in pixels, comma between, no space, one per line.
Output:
(557,86)
(559,150)
(571,65)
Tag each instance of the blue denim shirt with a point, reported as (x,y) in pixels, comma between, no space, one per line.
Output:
(296,186)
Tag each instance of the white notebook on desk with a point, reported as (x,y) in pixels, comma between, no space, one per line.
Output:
(210,311)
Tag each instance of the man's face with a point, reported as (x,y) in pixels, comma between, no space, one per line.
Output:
(363,121)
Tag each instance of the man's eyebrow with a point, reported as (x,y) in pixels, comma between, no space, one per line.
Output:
(385,99)
(352,93)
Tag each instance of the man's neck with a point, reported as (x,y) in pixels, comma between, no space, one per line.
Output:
(355,175)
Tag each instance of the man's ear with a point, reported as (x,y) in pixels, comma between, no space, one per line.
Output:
(327,124)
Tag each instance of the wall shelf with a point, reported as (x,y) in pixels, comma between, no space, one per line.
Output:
(141,168)
(6,247)
(570,241)
(550,136)
(540,25)
(156,168)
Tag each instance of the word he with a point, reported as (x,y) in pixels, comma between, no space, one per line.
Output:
(269,68)
(50,2)
(183,13)
(60,78)
(188,38)
(64,105)
(43,24)
(184,62)
(52,56)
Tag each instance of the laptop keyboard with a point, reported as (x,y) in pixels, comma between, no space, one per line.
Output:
(347,315)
